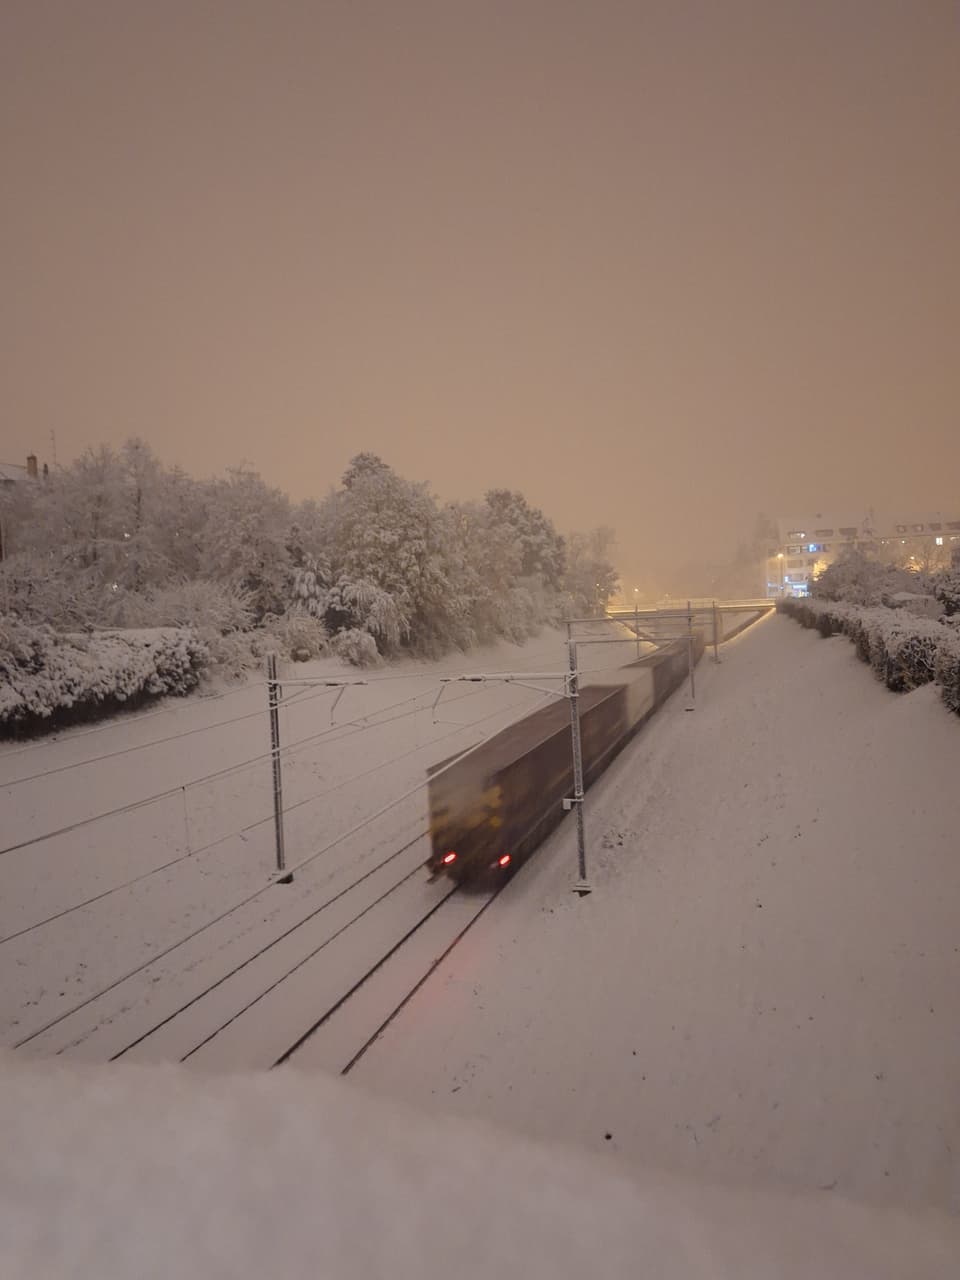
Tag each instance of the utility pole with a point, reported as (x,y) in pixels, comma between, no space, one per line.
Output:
(273,700)
(576,801)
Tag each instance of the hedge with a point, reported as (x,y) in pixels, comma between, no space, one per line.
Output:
(905,651)
(48,679)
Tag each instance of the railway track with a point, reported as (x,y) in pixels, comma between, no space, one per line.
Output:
(339,1039)
(319,992)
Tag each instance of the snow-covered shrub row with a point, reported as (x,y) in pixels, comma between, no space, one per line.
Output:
(904,651)
(46,678)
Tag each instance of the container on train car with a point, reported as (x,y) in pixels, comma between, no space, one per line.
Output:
(492,806)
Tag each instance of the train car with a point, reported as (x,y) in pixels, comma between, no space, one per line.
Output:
(493,805)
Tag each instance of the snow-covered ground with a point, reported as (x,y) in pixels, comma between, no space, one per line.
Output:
(764,983)
(762,986)
(157,878)
(153,1172)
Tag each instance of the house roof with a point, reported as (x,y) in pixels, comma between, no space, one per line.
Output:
(12,472)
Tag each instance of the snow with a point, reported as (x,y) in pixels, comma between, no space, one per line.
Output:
(760,990)
(42,673)
(763,984)
(204,847)
(156,1172)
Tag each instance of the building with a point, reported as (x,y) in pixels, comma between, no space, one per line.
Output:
(806,545)
(11,474)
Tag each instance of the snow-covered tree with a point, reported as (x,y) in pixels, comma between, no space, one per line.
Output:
(591,579)
(858,578)
(245,537)
(542,549)
(483,562)
(385,532)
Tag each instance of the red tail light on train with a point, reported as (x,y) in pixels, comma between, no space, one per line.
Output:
(505,860)
(448,858)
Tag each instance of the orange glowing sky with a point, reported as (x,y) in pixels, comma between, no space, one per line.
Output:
(658,264)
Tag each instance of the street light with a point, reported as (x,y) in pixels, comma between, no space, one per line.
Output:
(780,561)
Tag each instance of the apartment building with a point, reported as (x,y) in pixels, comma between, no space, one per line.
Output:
(807,544)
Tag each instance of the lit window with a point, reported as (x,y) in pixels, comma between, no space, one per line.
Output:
(939,541)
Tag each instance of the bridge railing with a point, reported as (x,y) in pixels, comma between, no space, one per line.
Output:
(653,625)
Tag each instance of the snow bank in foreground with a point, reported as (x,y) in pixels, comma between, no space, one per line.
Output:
(150,1172)
(45,676)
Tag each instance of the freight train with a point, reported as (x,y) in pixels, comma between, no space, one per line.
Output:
(492,806)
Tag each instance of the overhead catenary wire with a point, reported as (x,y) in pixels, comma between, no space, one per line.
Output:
(128,718)
(198,698)
(275,941)
(160,955)
(174,790)
(193,854)
(305,695)
(117,888)
(297,699)
(131,806)
(338,1004)
(308,689)
(126,751)
(366,721)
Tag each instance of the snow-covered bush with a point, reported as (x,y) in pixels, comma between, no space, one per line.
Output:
(947,672)
(363,606)
(904,651)
(43,587)
(947,590)
(356,647)
(51,678)
(206,605)
(857,578)
(297,635)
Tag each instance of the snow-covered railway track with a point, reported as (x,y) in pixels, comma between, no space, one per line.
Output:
(249,1015)
(333,1002)
(342,1035)
(166,1011)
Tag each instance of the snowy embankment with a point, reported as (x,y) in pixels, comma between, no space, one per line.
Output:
(905,651)
(155,1172)
(138,857)
(49,678)
(763,984)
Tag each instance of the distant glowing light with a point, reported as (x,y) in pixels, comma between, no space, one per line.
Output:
(505,860)
(448,858)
